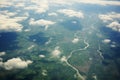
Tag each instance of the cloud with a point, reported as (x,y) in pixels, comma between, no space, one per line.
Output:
(115,26)
(71,13)
(20,4)
(109,17)
(56,52)
(75,40)
(113,45)
(112,20)
(9,23)
(63,59)
(99,2)
(7,13)
(40,6)
(5,3)
(2,53)
(52,14)
(42,56)
(105,18)
(96,2)
(60,2)
(106,41)
(27,30)
(41,22)
(15,63)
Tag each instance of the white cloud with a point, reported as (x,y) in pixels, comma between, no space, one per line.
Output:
(19,4)
(105,18)
(7,13)
(27,30)
(8,23)
(96,2)
(109,17)
(99,2)
(71,13)
(5,3)
(74,22)
(113,45)
(2,53)
(41,22)
(63,59)
(40,6)
(106,41)
(52,14)
(112,20)
(15,63)
(56,52)
(60,2)
(75,40)
(42,56)
(115,26)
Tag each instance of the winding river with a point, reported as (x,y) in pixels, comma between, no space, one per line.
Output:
(80,77)
(99,51)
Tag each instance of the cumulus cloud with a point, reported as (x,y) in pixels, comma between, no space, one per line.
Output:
(8,23)
(115,26)
(5,3)
(71,13)
(109,17)
(40,6)
(106,41)
(41,22)
(2,53)
(41,56)
(20,4)
(63,59)
(15,63)
(56,52)
(75,40)
(6,12)
(105,18)
(112,20)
